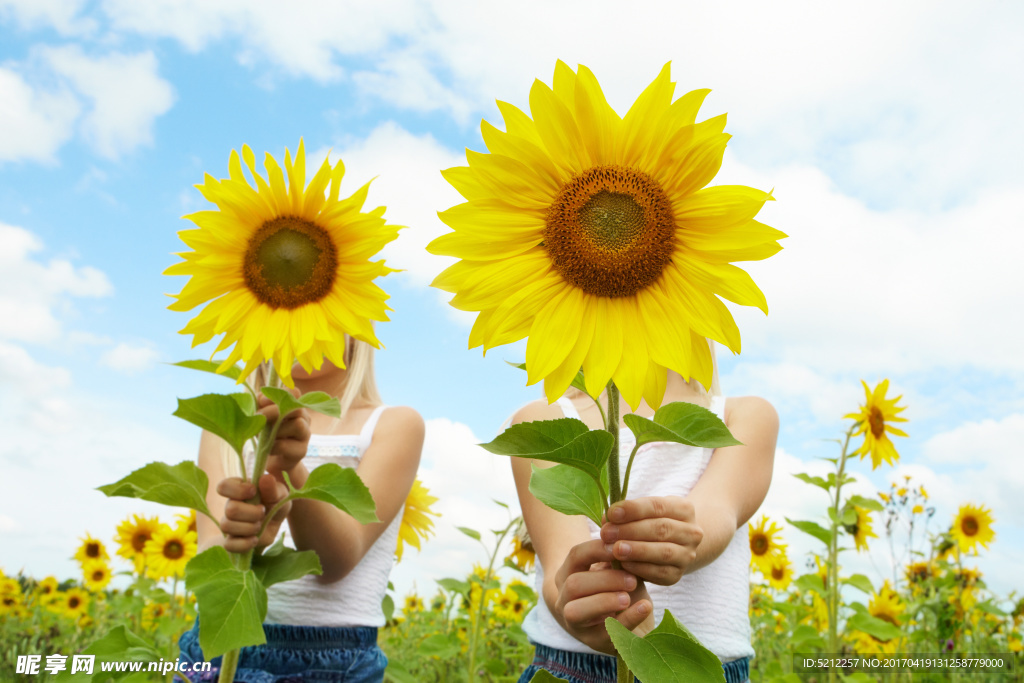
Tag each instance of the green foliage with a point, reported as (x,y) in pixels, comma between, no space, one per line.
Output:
(342,488)
(231,372)
(567,490)
(232,601)
(181,485)
(860,582)
(667,654)
(684,423)
(221,415)
(317,401)
(279,563)
(120,644)
(812,528)
(566,441)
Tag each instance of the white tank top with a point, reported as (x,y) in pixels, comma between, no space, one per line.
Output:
(356,599)
(713,601)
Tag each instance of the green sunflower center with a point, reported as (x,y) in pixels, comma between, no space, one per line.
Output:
(610,231)
(290,262)
(759,544)
(877,422)
(969,526)
(174,550)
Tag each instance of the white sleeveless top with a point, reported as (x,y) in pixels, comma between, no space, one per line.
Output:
(356,599)
(713,601)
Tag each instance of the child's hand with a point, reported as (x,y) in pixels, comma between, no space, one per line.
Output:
(242,520)
(654,538)
(589,591)
(292,438)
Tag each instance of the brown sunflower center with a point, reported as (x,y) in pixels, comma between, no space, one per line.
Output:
(290,262)
(92,550)
(877,422)
(610,231)
(759,544)
(969,526)
(174,550)
(74,601)
(139,540)
(778,573)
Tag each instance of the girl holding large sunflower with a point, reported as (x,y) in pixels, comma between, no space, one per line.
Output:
(289,263)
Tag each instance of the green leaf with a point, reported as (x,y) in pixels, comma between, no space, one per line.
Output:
(866,503)
(246,402)
(543,676)
(566,441)
(814,481)
(849,516)
(387,605)
(810,582)
(222,416)
(806,636)
(873,626)
(181,485)
(398,673)
(454,585)
(232,372)
(281,564)
(812,528)
(667,654)
(498,502)
(860,582)
(472,533)
(342,488)
(567,490)
(440,645)
(318,401)
(232,602)
(119,644)
(681,422)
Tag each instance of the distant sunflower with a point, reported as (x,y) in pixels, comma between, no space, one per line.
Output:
(919,573)
(168,551)
(152,613)
(594,235)
(886,605)
(413,603)
(861,528)
(132,536)
(780,575)
(874,422)
(91,549)
(973,527)
(283,267)
(12,600)
(765,544)
(72,603)
(415,522)
(523,554)
(96,575)
(187,522)
(46,590)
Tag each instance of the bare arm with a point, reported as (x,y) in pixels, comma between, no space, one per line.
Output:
(388,469)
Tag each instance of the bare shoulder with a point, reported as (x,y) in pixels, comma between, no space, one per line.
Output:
(751,412)
(537,410)
(402,420)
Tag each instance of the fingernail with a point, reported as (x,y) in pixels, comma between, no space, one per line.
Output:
(624,548)
(641,608)
(617,514)
(609,547)
(611,533)
(623,599)
(630,582)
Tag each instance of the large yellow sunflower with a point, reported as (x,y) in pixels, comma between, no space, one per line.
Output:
(284,266)
(874,422)
(168,551)
(415,522)
(91,549)
(132,535)
(766,547)
(973,527)
(590,234)
(861,529)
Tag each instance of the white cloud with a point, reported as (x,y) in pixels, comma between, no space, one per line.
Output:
(125,92)
(34,123)
(61,15)
(30,291)
(130,359)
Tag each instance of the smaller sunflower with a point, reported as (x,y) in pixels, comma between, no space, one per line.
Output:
(132,535)
(884,496)
(96,575)
(781,574)
(12,601)
(413,603)
(886,605)
(973,527)
(168,551)
(760,600)
(91,549)
(72,603)
(46,590)
(415,522)
(765,545)
(152,613)
(873,421)
(523,554)
(917,510)
(187,522)
(822,571)
(918,573)
(922,492)
(861,529)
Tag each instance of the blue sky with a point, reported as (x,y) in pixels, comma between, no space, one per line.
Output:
(890,135)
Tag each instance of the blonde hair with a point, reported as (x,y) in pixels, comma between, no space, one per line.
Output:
(360,387)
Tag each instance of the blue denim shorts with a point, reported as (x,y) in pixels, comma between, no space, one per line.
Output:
(297,654)
(580,667)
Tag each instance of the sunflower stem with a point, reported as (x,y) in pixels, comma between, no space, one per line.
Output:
(474,635)
(622,672)
(629,468)
(833,559)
